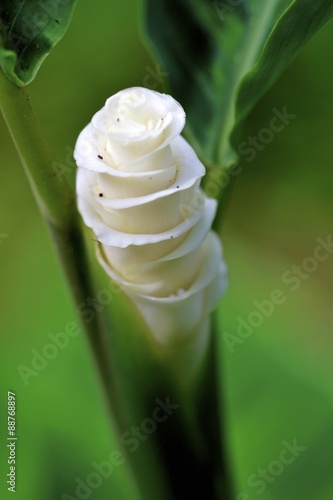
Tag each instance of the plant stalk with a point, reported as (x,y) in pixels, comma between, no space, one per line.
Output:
(58,208)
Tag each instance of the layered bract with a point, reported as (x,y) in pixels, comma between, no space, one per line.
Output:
(138,189)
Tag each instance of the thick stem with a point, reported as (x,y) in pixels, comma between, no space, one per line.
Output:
(210,420)
(57,205)
(53,197)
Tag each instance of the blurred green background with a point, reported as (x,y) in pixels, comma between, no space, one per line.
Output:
(278,381)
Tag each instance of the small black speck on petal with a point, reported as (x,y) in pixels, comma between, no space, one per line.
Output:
(100,157)
(101,195)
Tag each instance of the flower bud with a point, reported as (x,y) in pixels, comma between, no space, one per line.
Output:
(138,187)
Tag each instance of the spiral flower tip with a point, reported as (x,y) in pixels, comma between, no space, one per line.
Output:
(138,186)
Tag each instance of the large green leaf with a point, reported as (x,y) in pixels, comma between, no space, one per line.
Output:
(29,29)
(295,28)
(208,47)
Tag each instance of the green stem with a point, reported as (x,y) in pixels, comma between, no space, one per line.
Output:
(210,417)
(57,205)
(35,154)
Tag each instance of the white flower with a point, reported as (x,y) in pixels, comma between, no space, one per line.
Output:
(138,189)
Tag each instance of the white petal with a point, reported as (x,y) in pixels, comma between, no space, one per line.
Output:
(138,121)
(173,318)
(138,189)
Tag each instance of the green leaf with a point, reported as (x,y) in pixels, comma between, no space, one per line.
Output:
(294,29)
(29,29)
(209,47)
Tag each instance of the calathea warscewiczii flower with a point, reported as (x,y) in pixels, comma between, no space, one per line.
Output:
(138,189)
